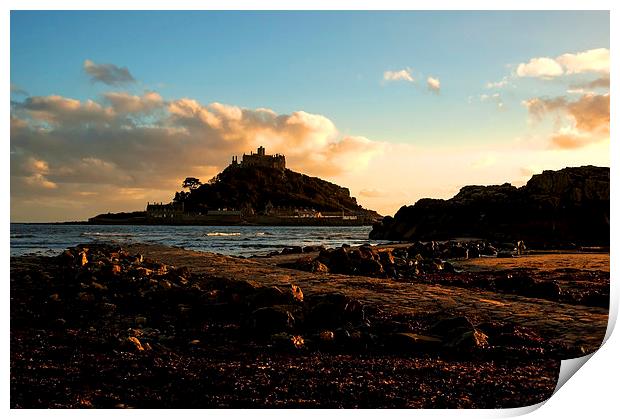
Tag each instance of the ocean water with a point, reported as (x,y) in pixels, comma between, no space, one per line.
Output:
(50,239)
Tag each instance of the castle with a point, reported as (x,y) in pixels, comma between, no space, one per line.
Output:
(260,159)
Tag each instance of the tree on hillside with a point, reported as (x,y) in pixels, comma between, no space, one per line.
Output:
(192,183)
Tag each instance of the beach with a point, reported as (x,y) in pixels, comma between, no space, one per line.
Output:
(157,326)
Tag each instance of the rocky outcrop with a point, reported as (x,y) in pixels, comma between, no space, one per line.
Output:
(568,206)
(259,188)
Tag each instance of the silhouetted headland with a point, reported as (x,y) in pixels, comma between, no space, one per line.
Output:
(563,207)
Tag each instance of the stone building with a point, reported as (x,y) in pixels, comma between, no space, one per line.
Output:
(161,210)
(260,159)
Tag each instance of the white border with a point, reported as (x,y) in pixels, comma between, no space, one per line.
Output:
(592,392)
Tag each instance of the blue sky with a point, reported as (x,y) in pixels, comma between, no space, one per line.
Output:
(328,63)
(331,64)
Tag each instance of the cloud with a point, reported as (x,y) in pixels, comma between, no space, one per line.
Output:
(125,103)
(498,84)
(433,84)
(590,61)
(61,110)
(495,98)
(35,171)
(600,83)
(581,122)
(62,148)
(594,60)
(16,90)
(399,75)
(108,73)
(543,67)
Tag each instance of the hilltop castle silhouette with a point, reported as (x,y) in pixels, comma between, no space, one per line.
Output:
(260,159)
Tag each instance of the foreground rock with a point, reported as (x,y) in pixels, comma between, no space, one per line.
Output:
(432,262)
(100,326)
(561,207)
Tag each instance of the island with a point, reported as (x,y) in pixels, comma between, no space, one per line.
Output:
(258,190)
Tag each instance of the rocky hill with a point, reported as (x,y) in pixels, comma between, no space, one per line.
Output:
(238,187)
(559,207)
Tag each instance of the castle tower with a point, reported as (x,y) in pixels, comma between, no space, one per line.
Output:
(261,151)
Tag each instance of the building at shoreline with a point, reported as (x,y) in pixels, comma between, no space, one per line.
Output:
(260,159)
(161,210)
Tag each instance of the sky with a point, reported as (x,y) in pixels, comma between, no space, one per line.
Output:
(110,110)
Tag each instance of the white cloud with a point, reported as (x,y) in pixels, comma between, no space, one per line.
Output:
(433,84)
(590,61)
(594,60)
(498,84)
(399,75)
(543,67)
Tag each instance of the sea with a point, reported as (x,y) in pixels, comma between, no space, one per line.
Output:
(51,239)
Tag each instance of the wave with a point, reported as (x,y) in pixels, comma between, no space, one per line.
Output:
(106,234)
(22,236)
(218,233)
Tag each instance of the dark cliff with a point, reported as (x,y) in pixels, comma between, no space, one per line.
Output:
(565,206)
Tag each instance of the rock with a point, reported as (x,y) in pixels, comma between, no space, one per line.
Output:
(67,258)
(312,249)
(269,320)
(97,286)
(547,289)
(371,267)
(60,323)
(291,250)
(326,336)
(387,262)
(452,326)
(469,340)
(86,297)
(107,307)
(308,264)
(414,342)
(332,311)
(267,297)
(458,252)
(133,343)
(567,205)
(82,259)
(340,261)
(459,334)
(297,293)
(318,267)
(286,341)
(519,284)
